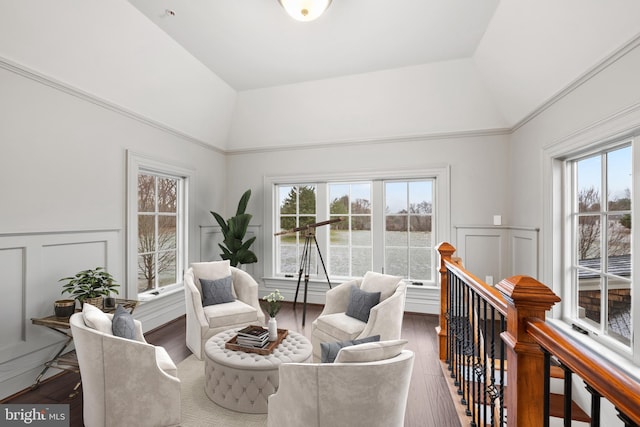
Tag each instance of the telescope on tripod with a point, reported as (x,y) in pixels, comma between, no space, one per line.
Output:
(305,259)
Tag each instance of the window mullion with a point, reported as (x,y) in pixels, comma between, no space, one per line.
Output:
(322,233)
(378,227)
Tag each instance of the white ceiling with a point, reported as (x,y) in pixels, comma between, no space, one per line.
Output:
(526,51)
(253,43)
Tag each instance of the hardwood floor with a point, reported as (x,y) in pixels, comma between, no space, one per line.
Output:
(429,403)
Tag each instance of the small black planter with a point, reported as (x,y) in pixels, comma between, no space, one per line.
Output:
(64,307)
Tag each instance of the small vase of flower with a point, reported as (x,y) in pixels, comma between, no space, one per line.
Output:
(272,304)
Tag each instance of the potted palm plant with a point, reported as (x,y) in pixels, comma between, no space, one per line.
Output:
(90,286)
(234,230)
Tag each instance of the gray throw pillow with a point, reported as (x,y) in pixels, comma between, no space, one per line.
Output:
(361,302)
(216,291)
(122,324)
(329,350)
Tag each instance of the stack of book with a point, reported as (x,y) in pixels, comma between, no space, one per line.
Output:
(253,336)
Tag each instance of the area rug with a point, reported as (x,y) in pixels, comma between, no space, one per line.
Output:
(198,410)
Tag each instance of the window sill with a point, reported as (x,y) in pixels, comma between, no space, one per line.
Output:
(617,359)
(161,293)
(276,280)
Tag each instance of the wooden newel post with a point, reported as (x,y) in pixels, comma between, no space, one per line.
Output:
(446,252)
(526,297)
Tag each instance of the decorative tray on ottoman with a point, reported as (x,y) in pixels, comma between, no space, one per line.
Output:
(266,350)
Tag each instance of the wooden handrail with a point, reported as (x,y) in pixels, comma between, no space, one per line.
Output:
(516,298)
(486,291)
(615,385)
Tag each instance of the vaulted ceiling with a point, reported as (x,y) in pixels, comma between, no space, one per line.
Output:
(526,51)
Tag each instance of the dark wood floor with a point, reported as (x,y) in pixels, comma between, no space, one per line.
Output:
(429,404)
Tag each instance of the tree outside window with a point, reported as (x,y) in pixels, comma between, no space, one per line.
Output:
(408,229)
(602,261)
(157,231)
(402,245)
(350,244)
(297,208)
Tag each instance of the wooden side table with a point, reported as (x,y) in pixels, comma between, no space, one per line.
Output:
(68,361)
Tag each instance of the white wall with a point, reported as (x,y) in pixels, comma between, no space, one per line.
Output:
(608,93)
(413,101)
(81,83)
(111,50)
(63,188)
(478,185)
(605,104)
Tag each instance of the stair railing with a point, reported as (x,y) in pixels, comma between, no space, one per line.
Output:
(499,381)
(512,372)
(601,378)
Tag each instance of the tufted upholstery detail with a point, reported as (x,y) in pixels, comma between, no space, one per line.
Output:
(244,381)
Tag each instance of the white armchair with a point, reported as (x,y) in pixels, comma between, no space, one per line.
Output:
(385,318)
(359,394)
(205,322)
(124,381)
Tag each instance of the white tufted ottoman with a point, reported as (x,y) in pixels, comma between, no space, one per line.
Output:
(243,381)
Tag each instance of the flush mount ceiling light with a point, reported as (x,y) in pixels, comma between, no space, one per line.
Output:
(305,10)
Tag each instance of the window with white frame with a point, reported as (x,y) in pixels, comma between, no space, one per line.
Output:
(386,225)
(296,208)
(350,239)
(157,225)
(599,187)
(158,221)
(408,222)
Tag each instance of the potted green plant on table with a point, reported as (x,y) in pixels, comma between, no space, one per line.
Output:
(234,230)
(90,286)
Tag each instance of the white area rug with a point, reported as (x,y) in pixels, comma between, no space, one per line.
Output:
(199,411)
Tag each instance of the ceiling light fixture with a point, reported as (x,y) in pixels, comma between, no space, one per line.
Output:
(305,10)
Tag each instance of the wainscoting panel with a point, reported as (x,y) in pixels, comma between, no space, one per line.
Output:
(498,252)
(31,266)
(524,252)
(13,331)
(483,253)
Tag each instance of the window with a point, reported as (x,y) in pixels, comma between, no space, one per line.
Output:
(157,225)
(350,240)
(158,220)
(408,224)
(601,236)
(297,208)
(386,224)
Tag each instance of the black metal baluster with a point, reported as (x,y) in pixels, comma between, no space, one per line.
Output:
(567,396)
(625,419)
(492,353)
(459,337)
(595,405)
(473,377)
(547,386)
(485,403)
(503,327)
(467,350)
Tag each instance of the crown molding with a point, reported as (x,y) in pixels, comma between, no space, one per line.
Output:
(36,76)
(24,71)
(370,141)
(582,79)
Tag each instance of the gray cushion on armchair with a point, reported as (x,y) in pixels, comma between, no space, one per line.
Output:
(330,349)
(203,322)
(124,379)
(385,318)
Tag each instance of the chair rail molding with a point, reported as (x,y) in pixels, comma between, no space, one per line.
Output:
(32,264)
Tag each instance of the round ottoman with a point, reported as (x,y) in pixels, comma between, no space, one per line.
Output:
(243,381)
